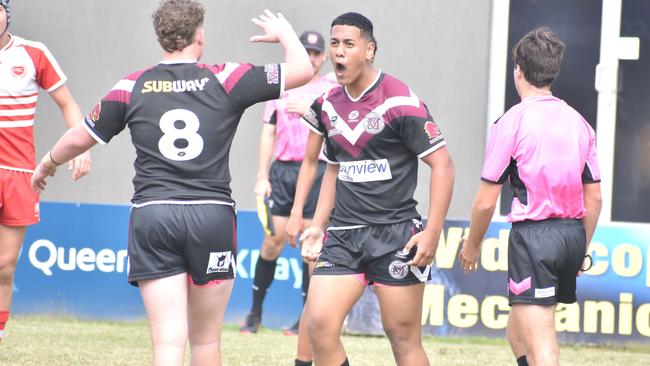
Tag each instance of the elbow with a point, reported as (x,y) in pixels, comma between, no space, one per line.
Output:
(485,207)
(306,74)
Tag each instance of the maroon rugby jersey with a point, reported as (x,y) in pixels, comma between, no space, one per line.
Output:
(376,141)
(182,117)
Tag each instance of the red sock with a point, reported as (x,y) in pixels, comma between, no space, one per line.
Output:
(4,317)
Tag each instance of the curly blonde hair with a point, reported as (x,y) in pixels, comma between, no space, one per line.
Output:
(176,22)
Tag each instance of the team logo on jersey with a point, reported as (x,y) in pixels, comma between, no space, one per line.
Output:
(364,171)
(219,262)
(175,86)
(398,269)
(373,123)
(352,117)
(333,121)
(94,114)
(431,130)
(272,73)
(18,71)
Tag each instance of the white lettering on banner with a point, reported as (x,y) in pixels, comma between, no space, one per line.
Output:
(364,171)
(285,268)
(70,259)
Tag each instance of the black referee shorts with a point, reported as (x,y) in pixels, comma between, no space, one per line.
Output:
(284,178)
(169,239)
(544,258)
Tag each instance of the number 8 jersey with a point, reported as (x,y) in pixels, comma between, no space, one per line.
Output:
(182,118)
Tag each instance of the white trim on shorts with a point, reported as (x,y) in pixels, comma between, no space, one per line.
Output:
(172,202)
(337,228)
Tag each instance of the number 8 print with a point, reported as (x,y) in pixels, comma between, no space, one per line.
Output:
(180,141)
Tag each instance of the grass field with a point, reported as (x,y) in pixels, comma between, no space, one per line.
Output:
(68,342)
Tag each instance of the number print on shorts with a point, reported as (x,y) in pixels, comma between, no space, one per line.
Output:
(180,141)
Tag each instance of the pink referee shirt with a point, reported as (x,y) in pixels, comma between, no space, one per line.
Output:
(548,150)
(291,134)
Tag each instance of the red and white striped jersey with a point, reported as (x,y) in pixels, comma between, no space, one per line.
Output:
(24,67)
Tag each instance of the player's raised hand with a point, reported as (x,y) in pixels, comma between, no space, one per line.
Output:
(275,27)
(426,247)
(293,228)
(312,243)
(80,165)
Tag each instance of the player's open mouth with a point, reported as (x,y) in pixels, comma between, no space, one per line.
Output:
(339,69)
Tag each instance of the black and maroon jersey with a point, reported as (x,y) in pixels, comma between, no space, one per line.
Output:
(376,140)
(182,118)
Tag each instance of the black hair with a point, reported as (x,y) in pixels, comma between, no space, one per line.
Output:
(357,20)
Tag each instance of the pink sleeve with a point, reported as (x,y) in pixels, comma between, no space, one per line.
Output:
(269,108)
(499,150)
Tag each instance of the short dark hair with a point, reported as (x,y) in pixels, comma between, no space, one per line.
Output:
(357,20)
(539,56)
(176,22)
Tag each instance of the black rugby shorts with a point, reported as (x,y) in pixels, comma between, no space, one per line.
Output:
(284,178)
(375,251)
(169,239)
(544,258)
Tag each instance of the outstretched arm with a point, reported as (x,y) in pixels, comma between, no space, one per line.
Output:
(74,142)
(80,166)
(297,67)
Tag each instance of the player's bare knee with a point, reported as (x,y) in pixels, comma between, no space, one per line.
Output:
(402,338)
(271,247)
(7,267)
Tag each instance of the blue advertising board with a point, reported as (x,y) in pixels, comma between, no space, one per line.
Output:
(74,262)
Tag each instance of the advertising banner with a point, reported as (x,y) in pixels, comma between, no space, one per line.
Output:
(613,296)
(74,262)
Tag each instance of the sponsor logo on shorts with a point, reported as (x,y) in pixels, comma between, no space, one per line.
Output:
(219,262)
(272,73)
(373,123)
(365,171)
(544,292)
(398,269)
(402,253)
(175,86)
(323,264)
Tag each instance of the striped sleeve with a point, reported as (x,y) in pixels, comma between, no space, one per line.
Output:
(49,75)
(248,84)
(108,117)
